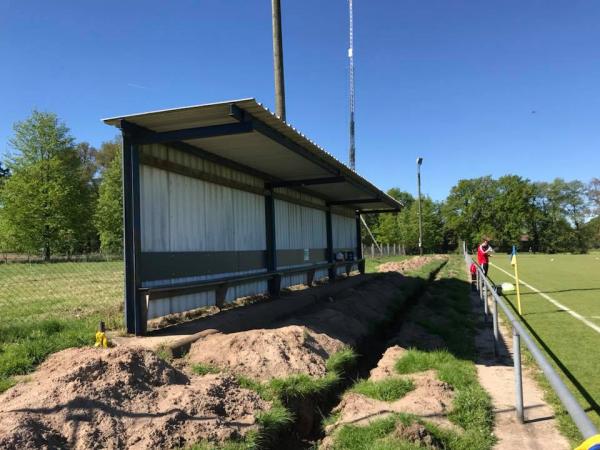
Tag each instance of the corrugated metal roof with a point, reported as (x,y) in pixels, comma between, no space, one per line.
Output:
(261,152)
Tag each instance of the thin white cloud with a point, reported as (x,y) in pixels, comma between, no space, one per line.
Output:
(137,86)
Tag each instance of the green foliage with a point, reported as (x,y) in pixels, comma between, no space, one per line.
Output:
(512,210)
(302,385)
(204,369)
(109,212)
(271,423)
(387,390)
(108,152)
(403,228)
(46,202)
(165,353)
(342,361)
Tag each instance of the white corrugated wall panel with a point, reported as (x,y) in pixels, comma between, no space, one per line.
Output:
(298,227)
(344,235)
(181,213)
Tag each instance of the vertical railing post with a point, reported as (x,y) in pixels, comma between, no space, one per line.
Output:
(372,251)
(495,321)
(518,375)
(485,301)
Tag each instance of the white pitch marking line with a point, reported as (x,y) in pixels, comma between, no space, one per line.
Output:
(578,316)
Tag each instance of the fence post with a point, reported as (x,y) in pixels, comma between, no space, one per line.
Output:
(518,379)
(372,251)
(495,321)
(485,301)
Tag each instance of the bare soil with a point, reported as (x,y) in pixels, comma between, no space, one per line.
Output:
(408,264)
(431,399)
(122,398)
(267,353)
(303,343)
(417,434)
(385,366)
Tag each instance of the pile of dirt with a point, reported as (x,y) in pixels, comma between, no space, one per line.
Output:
(122,398)
(418,434)
(385,366)
(408,264)
(431,399)
(267,353)
(353,313)
(302,344)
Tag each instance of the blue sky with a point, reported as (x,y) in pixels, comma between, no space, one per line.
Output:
(474,87)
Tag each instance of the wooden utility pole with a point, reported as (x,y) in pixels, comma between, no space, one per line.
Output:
(278,60)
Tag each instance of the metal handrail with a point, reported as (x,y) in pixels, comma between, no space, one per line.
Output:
(582,421)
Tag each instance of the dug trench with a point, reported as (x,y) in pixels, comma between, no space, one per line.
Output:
(267,387)
(308,360)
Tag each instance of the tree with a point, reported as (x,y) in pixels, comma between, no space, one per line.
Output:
(4,173)
(593,192)
(467,212)
(403,227)
(109,212)
(388,229)
(572,198)
(87,155)
(45,201)
(511,210)
(109,150)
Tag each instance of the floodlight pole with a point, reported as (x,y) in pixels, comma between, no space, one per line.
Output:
(419,162)
(278,60)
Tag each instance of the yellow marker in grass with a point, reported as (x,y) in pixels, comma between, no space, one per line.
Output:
(101,339)
(592,443)
(513,262)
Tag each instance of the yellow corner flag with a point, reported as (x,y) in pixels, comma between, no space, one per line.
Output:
(592,443)
(513,262)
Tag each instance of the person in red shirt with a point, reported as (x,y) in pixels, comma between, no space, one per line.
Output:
(473,270)
(483,255)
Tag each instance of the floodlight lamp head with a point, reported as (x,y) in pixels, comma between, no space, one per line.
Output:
(419,161)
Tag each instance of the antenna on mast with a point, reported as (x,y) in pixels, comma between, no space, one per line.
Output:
(352,149)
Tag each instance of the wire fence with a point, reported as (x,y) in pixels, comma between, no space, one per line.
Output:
(66,287)
(49,306)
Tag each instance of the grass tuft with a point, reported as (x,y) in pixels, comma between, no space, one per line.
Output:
(204,369)
(342,362)
(387,390)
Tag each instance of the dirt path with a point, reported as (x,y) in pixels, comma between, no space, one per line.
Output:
(496,376)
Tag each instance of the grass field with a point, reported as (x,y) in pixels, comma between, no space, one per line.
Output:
(574,347)
(48,307)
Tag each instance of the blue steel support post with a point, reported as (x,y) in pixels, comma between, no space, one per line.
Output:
(359,255)
(128,235)
(331,271)
(275,281)
(135,303)
(141,311)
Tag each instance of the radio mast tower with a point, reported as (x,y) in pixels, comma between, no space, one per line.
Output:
(351,68)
